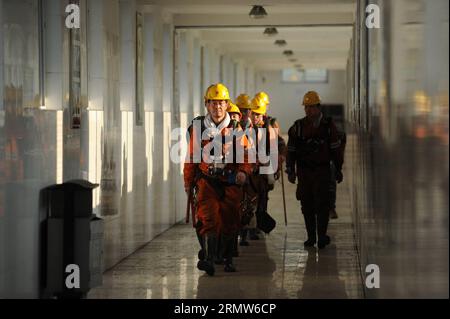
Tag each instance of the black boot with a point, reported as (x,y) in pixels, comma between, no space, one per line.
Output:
(310,223)
(201,252)
(235,246)
(228,253)
(253,234)
(323,242)
(244,241)
(322,226)
(218,258)
(210,247)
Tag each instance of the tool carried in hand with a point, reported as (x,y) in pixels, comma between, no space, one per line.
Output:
(190,207)
(284,196)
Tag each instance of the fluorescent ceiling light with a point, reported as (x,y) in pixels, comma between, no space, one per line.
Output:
(280,43)
(258,12)
(270,31)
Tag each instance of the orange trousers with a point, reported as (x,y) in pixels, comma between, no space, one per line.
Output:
(215,215)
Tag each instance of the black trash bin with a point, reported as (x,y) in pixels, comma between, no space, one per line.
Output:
(71,241)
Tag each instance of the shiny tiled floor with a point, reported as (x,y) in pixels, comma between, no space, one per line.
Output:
(276,266)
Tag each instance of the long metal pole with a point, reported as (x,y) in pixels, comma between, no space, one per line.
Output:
(284,196)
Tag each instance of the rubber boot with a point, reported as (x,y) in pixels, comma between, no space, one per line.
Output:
(210,247)
(324,241)
(228,253)
(218,258)
(253,234)
(322,226)
(244,241)
(333,214)
(235,246)
(201,252)
(310,223)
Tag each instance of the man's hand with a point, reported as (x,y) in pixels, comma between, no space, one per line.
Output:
(277,175)
(187,189)
(241,177)
(339,177)
(292,178)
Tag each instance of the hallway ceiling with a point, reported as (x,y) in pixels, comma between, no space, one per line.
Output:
(317,31)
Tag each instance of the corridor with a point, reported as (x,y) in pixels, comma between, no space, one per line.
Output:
(96,97)
(275,267)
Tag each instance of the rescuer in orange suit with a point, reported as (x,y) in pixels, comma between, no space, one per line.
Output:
(266,182)
(273,123)
(250,190)
(243,102)
(236,116)
(216,179)
(313,143)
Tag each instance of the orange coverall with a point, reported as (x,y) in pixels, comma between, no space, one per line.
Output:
(215,214)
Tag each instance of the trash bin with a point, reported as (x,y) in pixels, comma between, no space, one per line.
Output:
(71,241)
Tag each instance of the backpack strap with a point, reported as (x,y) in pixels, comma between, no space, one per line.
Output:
(267,124)
(299,129)
(327,122)
(191,127)
(272,120)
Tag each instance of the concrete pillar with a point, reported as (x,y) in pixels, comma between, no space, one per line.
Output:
(56,59)
(196,94)
(183,76)
(167,67)
(127,55)
(96,65)
(149,63)
(2,83)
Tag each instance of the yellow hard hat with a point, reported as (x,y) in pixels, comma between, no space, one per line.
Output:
(263,96)
(311,98)
(259,106)
(217,92)
(234,109)
(243,101)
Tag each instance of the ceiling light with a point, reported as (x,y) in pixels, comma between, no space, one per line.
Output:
(258,12)
(270,31)
(293,60)
(299,66)
(288,52)
(280,43)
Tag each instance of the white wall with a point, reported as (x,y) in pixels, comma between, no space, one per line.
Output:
(286,98)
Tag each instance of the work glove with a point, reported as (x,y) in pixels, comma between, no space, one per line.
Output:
(339,177)
(276,176)
(292,178)
(291,175)
(241,177)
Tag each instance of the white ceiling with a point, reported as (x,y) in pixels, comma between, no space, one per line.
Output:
(317,31)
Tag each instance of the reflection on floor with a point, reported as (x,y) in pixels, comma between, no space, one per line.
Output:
(276,266)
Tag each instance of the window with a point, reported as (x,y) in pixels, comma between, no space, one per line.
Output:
(305,76)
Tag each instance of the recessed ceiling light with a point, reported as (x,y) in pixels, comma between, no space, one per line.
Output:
(270,31)
(298,66)
(293,60)
(280,42)
(258,12)
(288,52)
